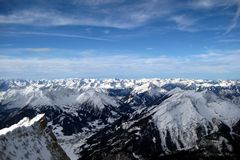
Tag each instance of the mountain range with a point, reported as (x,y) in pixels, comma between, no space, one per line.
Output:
(125,119)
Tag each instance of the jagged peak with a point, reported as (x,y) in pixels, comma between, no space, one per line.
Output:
(115,83)
(148,87)
(25,122)
(97,98)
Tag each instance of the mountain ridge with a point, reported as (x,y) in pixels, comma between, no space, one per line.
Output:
(79,111)
(30,139)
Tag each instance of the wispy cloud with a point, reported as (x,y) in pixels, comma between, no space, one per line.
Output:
(184,22)
(45,53)
(211,54)
(39,49)
(229,40)
(149,48)
(52,18)
(36,17)
(123,16)
(235,19)
(118,14)
(213,4)
(206,4)
(96,2)
(56,35)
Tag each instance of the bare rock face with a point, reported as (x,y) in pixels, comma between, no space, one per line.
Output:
(30,139)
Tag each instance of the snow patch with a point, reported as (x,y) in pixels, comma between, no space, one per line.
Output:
(25,122)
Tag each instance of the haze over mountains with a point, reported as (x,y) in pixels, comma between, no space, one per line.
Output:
(129,119)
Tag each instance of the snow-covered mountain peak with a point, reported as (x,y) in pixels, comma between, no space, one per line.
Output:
(149,88)
(97,99)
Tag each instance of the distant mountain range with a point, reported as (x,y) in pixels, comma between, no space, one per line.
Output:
(130,119)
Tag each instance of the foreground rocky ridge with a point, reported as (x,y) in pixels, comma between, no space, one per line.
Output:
(30,139)
(96,119)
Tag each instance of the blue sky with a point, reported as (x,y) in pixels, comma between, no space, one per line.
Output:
(120,39)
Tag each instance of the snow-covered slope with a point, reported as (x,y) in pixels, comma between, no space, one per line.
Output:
(30,139)
(198,124)
(185,111)
(79,108)
(25,122)
(36,97)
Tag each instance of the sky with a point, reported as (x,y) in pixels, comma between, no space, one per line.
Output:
(42,39)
